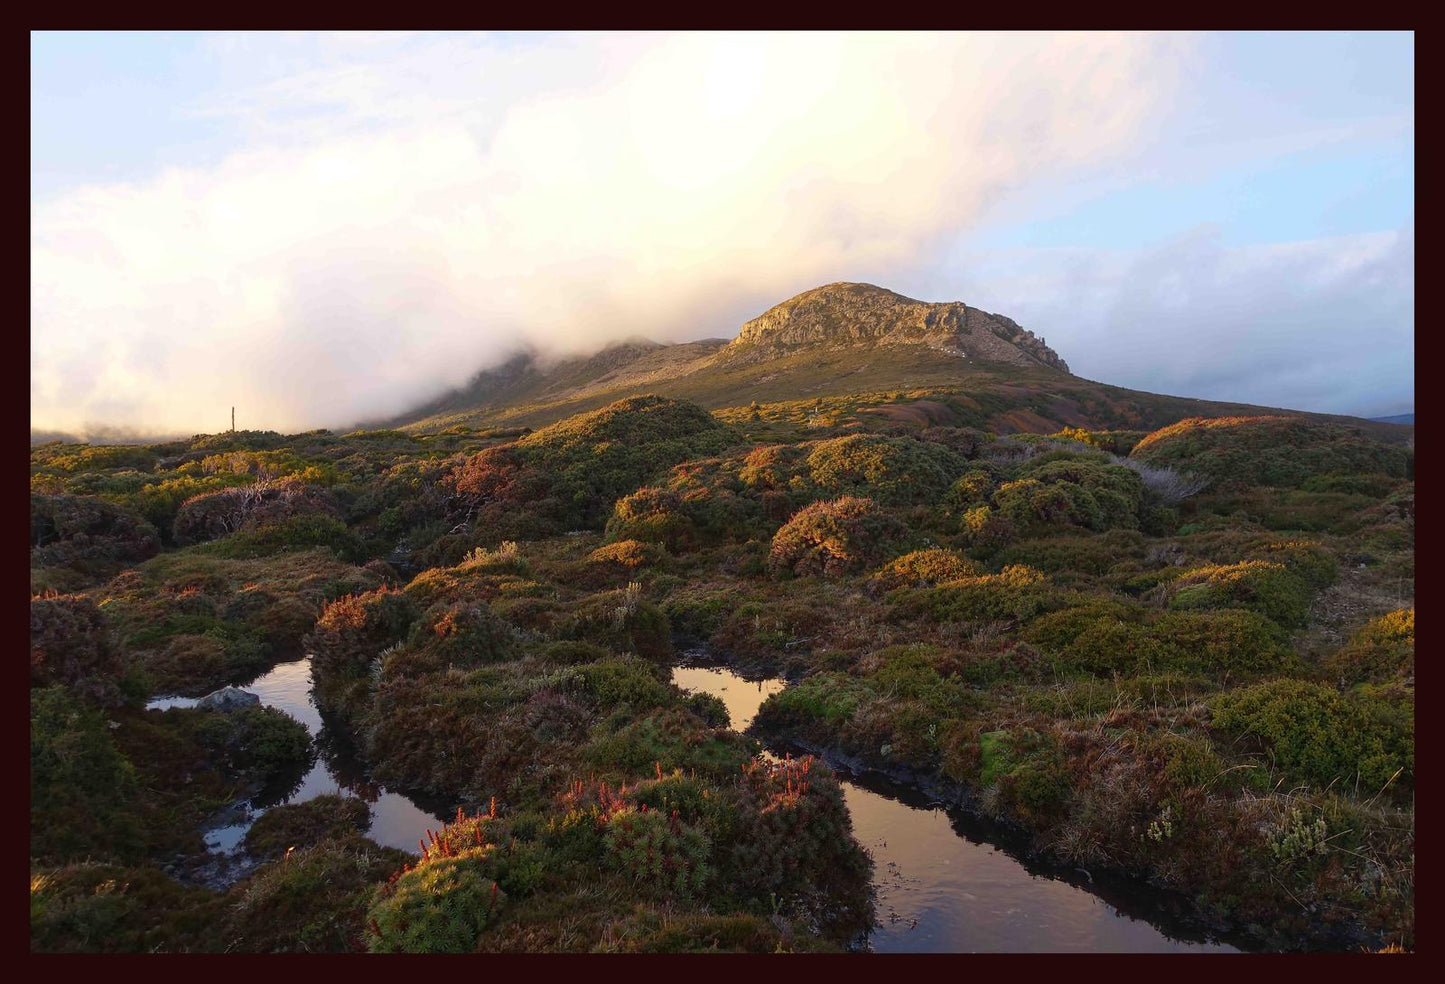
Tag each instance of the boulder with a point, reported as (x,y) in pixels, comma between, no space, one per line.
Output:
(227,699)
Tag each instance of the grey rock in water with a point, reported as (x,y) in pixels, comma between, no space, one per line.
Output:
(227,699)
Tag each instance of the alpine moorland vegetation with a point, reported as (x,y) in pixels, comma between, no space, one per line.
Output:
(1184,656)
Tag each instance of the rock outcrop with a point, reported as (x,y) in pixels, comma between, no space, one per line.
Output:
(862,314)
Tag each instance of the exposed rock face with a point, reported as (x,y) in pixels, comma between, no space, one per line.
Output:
(861,314)
(228,699)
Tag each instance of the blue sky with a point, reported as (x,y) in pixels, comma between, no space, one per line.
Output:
(1227,216)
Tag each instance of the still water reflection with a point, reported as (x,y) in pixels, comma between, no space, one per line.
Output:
(940,888)
(396,820)
(941,885)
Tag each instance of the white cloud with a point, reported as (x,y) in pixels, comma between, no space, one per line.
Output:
(1324,325)
(407,211)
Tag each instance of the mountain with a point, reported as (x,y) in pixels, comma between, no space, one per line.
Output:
(849,341)
(841,315)
(1399,418)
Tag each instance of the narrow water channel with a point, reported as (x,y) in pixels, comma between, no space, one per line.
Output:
(941,886)
(396,820)
(941,889)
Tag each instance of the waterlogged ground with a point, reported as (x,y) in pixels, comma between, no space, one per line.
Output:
(940,886)
(940,890)
(396,820)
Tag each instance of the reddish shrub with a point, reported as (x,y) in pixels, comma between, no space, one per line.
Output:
(70,644)
(353,629)
(833,538)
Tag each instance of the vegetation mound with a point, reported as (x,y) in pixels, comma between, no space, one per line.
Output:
(1283,452)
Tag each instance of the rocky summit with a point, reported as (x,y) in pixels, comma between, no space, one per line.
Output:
(864,315)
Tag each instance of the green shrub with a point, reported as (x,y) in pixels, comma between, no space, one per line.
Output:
(1312,562)
(793,842)
(1119,442)
(632,681)
(463,634)
(1271,589)
(1313,734)
(466,582)
(986,530)
(258,741)
(1396,627)
(293,533)
(87,535)
(1376,485)
(1382,650)
(1029,770)
(1035,505)
(1229,642)
(621,621)
(1091,555)
(892,471)
(250,508)
(570,474)
(667,738)
(313,900)
(441,905)
(1014,593)
(1289,509)
(1111,646)
(653,515)
(196,662)
(1275,451)
(1056,631)
(699,618)
(83,457)
(1102,496)
(659,854)
(974,489)
(82,790)
(712,710)
(572,652)
(1224,643)
(100,908)
(1186,762)
(297,825)
(832,698)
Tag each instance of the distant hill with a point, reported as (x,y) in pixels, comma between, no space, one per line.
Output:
(839,340)
(1399,418)
(100,435)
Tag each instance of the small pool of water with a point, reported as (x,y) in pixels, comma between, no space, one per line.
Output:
(942,889)
(396,820)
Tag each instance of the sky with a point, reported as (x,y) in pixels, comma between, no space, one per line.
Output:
(327,228)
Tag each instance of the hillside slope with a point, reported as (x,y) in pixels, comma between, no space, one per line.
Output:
(841,340)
